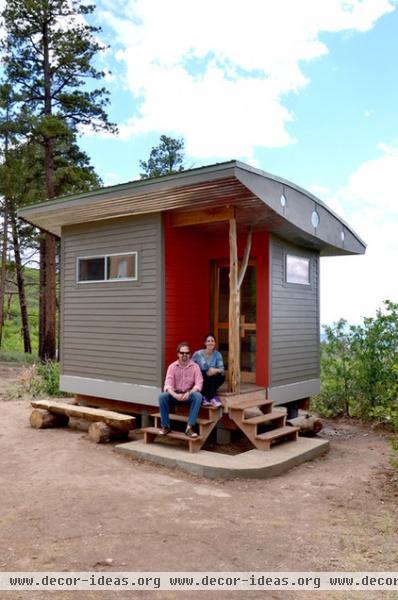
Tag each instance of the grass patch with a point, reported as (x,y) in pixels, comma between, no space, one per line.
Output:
(12,328)
(16,356)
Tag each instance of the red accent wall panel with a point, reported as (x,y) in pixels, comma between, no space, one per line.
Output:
(187,309)
(189,254)
(260,251)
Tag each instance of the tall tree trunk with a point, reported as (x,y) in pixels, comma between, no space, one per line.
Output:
(7,205)
(3,267)
(21,286)
(48,299)
(42,286)
(47,320)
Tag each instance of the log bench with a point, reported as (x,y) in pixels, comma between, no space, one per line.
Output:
(106,425)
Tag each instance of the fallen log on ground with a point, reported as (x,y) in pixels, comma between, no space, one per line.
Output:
(308,424)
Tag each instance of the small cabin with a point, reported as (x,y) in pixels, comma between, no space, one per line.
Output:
(147,264)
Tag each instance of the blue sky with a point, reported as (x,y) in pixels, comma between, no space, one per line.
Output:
(305,90)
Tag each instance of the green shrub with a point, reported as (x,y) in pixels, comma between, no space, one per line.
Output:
(337,393)
(44,380)
(359,369)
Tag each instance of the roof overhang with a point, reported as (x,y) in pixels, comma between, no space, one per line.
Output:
(255,194)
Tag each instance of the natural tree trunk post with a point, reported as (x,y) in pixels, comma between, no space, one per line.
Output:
(245,261)
(21,287)
(235,282)
(234,312)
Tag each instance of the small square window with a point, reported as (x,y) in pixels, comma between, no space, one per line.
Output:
(91,269)
(297,269)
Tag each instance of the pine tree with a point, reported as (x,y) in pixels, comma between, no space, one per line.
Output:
(164,159)
(48,53)
(7,138)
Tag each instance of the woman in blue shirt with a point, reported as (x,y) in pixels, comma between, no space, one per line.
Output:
(211,365)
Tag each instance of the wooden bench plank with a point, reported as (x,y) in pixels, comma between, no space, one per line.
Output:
(111,418)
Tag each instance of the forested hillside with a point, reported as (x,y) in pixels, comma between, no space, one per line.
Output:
(12,335)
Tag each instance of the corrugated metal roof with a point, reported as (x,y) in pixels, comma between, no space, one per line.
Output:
(254,193)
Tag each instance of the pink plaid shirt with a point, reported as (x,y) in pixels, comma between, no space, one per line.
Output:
(182,379)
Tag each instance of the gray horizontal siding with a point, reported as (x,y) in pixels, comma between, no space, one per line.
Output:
(113,330)
(294,318)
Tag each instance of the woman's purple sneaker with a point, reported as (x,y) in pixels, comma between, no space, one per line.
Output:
(206,402)
(216,402)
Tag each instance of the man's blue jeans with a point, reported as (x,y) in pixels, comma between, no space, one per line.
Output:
(166,401)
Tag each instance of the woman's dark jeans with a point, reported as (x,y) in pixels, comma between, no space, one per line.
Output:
(211,383)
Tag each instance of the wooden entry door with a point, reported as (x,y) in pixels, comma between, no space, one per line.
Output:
(248,323)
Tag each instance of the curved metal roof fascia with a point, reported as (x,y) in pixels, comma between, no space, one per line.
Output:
(297,188)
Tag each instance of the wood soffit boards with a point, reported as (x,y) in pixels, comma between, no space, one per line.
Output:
(255,196)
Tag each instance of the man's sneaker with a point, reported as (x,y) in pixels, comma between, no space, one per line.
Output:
(216,402)
(206,402)
(165,431)
(190,432)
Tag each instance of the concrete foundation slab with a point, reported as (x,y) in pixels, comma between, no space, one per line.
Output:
(213,465)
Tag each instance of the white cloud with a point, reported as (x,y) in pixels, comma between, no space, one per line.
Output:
(216,72)
(353,287)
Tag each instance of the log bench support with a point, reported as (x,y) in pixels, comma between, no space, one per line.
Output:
(43,419)
(106,426)
(100,433)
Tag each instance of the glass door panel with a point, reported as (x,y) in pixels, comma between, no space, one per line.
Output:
(247,321)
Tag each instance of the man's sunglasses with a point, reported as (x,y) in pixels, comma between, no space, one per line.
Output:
(184,353)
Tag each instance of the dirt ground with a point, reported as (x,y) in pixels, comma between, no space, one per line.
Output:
(70,505)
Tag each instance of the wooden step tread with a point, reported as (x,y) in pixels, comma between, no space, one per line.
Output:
(184,419)
(250,403)
(245,390)
(112,418)
(276,433)
(175,435)
(269,417)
